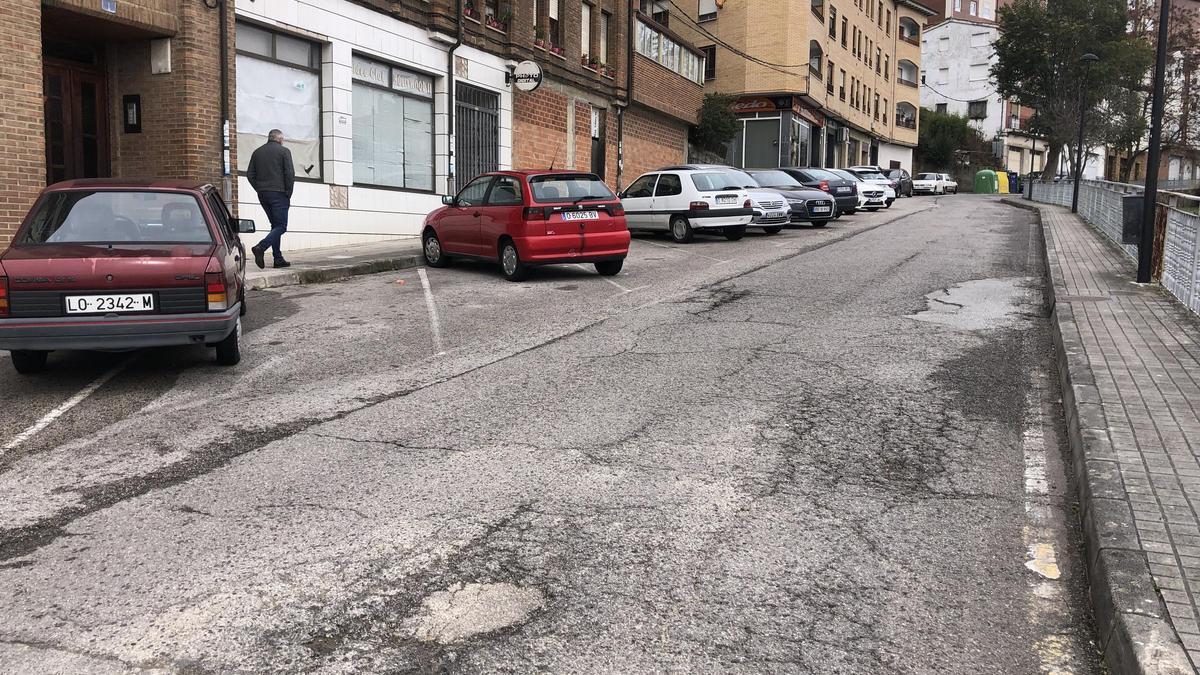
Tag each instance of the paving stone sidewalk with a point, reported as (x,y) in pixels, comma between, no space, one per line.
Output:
(320,265)
(1131,361)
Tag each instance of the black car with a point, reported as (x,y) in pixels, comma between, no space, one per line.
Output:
(901,182)
(809,205)
(844,190)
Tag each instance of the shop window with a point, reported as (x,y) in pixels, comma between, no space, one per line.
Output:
(279,87)
(393,126)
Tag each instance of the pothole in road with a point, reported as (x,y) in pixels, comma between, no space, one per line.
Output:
(981,304)
(465,610)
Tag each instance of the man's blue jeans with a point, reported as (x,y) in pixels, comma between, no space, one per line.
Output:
(276,205)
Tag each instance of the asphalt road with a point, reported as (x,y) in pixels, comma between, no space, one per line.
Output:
(825,451)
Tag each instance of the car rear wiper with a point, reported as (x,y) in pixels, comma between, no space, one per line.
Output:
(588,198)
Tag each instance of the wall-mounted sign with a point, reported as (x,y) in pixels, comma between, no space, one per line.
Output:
(369,71)
(412,83)
(527,76)
(132,117)
(383,75)
(753,104)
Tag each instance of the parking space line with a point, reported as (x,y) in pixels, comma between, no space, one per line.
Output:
(681,250)
(62,409)
(608,279)
(435,323)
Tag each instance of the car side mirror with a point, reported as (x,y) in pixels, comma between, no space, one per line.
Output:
(448,200)
(245,226)
(621,194)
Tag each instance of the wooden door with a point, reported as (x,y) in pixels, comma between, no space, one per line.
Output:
(76,113)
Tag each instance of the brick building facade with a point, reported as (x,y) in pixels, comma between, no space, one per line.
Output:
(69,70)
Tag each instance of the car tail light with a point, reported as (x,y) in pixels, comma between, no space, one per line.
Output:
(535,213)
(3,296)
(616,210)
(824,186)
(698,206)
(218,293)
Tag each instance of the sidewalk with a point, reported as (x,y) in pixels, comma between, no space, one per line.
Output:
(1129,358)
(318,265)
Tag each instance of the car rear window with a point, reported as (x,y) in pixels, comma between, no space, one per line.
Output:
(712,181)
(569,187)
(114,217)
(870,175)
(821,174)
(775,178)
(927,176)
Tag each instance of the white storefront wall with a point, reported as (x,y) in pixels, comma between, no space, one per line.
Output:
(343,30)
(890,152)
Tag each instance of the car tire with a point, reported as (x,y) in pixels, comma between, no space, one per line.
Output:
(681,230)
(734,232)
(28,361)
(229,350)
(609,268)
(850,212)
(242,301)
(818,223)
(431,249)
(773,230)
(510,262)
(888,203)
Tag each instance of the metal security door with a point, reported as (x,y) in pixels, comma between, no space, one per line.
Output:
(477,133)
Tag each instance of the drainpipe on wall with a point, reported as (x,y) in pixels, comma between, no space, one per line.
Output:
(222,7)
(452,171)
(629,37)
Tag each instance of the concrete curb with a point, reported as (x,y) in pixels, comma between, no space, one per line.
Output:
(1132,624)
(326,273)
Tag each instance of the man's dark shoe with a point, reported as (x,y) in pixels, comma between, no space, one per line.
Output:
(280,264)
(258,257)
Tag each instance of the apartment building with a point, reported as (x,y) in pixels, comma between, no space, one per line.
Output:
(958,56)
(819,82)
(98,88)
(967,10)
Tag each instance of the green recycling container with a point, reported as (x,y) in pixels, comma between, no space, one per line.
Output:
(986,182)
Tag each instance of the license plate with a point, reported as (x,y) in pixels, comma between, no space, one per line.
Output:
(843,190)
(731,199)
(103,304)
(821,209)
(776,214)
(581,215)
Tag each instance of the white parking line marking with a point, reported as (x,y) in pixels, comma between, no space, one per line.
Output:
(435,324)
(61,410)
(608,279)
(681,250)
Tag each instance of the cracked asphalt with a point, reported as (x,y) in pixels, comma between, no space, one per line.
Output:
(827,451)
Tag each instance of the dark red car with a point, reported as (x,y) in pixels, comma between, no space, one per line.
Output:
(526,218)
(113,265)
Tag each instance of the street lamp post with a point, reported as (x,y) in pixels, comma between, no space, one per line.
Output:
(1150,197)
(1087,60)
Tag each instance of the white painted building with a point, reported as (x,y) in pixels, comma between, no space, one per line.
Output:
(957,57)
(363,100)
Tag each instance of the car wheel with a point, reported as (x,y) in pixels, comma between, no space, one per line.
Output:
(431,247)
(242,300)
(681,230)
(734,232)
(229,350)
(29,362)
(889,203)
(510,262)
(850,212)
(773,230)
(872,209)
(609,268)
(819,223)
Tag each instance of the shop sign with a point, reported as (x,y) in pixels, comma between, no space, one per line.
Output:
(527,76)
(370,71)
(412,83)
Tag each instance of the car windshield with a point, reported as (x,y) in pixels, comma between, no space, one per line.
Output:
(775,179)
(115,217)
(569,187)
(870,175)
(927,176)
(711,181)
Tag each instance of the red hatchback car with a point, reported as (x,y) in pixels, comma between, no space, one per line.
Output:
(115,265)
(527,218)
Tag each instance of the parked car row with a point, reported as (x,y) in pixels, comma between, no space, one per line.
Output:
(934,184)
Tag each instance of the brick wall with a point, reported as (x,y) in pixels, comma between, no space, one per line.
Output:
(181,132)
(155,15)
(652,141)
(540,132)
(661,89)
(22,158)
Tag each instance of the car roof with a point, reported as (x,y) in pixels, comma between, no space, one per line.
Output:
(699,167)
(167,184)
(530,173)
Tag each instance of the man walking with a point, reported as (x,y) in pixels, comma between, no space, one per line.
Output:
(272,176)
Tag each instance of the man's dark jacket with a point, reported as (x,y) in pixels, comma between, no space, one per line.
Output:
(271,169)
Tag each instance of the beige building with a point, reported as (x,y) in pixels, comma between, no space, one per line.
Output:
(820,82)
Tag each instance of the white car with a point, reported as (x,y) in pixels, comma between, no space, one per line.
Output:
(772,208)
(949,184)
(871,196)
(874,177)
(929,183)
(686,201)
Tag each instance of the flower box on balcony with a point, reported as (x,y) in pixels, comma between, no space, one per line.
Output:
(558,51)
(471,13)
(496,24)
(540,43)
(608,71)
